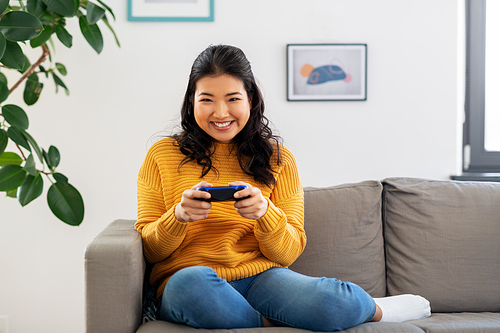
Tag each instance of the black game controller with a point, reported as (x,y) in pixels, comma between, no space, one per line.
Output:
(221,193)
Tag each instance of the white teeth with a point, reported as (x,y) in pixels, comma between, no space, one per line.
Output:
(223,124)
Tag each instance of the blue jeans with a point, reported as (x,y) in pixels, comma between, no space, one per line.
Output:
(196,296)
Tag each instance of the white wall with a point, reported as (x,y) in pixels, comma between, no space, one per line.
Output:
(122,99)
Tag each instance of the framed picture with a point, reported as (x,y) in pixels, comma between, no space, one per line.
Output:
(326,72)
(171,10)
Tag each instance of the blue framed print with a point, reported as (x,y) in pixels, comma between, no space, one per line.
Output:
(171,10)
(326,72)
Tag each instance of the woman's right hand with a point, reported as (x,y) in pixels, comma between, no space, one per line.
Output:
(190,209)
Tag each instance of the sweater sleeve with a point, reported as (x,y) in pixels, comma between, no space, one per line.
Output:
(280,231)
(161,232)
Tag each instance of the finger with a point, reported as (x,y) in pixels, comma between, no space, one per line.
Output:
(196,207)
(195,194)
(185,213)
(246,201)
(194,204)
(242,193)
(194,217)
(249,213)
(250,192)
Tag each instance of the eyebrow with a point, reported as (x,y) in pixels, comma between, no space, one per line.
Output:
(229,94)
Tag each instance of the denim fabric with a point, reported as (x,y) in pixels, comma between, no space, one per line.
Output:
(196,296)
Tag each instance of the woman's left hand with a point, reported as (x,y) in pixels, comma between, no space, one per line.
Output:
(254,206)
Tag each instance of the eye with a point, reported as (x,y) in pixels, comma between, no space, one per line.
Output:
(205,100)
(234,99)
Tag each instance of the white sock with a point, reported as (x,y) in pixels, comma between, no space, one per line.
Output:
(402,308)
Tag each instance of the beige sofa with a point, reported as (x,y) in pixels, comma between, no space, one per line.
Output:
(438,239)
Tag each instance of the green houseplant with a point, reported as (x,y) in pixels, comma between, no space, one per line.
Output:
(38,23)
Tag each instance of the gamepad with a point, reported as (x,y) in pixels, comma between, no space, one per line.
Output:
(222,193)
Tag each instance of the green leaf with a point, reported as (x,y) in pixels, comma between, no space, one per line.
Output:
(61,68)
(59,177)
(11,177)
(49,18)
(46,158)
(4,92)
(16,135)
(4,140)
(3,5)
(66,203)
(59,82)
(13,56)
(92,34)
(94,13)
(43,70)
(43,37)
(30,165)
(3,78)
(36,7)
(110,28)
(63,35)
(64,7)
(3,45)
(10,158)
(12,193)
(33,144)
(33,77)
(107,8)
(54,156)
(31,189)
(18,26)
(15,116)
(21,5)
(26,65)
(32,90)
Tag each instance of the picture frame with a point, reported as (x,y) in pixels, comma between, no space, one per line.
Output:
(326,72)
(171,10)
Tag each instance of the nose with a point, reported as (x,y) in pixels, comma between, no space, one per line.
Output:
(221,111)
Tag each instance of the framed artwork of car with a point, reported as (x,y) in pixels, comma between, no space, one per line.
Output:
(326,72)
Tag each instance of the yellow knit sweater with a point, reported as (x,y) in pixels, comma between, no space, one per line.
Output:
(235,247)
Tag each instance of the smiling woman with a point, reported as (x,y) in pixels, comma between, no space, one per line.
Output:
(223,264)
(221,106)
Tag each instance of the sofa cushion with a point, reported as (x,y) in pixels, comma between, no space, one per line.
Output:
(464,322)
(443,242)
(164,326)
(344,235)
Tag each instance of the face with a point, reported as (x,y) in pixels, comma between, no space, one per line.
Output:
(221,106)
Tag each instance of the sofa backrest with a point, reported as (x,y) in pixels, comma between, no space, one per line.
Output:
(344,235)
(443,242)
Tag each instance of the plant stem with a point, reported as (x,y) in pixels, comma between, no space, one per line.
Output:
(41,171)
(24,157)
(43,57)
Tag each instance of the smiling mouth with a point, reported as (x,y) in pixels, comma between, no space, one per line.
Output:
(221,125)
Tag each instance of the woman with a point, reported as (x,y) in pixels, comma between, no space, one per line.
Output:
(223,264)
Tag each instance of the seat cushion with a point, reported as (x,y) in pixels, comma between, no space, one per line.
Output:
(482,322)
(443,242)
(344,235)
(163,326)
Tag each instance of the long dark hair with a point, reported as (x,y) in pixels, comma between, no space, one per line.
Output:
(255,142)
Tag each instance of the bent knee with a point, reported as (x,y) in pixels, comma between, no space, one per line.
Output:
(189,281)
(349,309)
(194,273)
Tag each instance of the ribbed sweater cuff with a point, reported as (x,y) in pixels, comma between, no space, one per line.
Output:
(271,218)
(172,225)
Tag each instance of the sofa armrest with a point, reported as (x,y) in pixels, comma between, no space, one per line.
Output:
(114,273)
